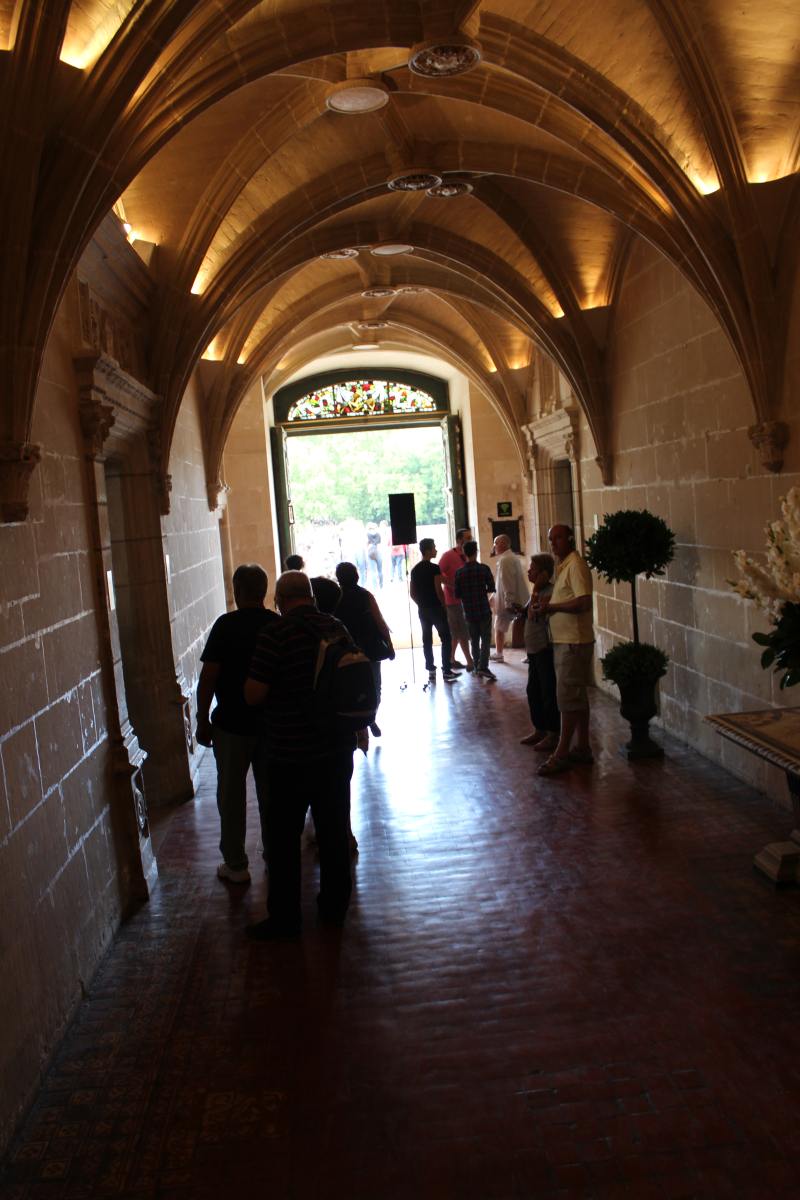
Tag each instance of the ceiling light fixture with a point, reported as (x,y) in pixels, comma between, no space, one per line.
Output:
(378,293)
(366,346)
(441,60)
(354,96)
(387,249)
(345,252)
(414,181)
(449,188)
(368,325)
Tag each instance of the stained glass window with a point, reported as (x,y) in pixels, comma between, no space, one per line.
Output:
(361,398)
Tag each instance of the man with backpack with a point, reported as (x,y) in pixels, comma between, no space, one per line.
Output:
(316,688)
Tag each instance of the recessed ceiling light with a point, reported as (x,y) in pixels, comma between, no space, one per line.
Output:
(378,293)
(355,96)
(414,181)
(345,252)
(440,60)
(366,346)
(387,249)
(373,325)
(450,188)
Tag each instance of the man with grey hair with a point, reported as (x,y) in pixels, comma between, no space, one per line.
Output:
(308,764)
(512,591)
(233,728)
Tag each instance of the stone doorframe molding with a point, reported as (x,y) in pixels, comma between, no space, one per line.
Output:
(118,415)
(550,439)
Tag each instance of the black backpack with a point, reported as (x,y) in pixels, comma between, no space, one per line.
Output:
(343,688)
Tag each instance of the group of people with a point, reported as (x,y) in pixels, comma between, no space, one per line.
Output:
(453,597)
(260,668)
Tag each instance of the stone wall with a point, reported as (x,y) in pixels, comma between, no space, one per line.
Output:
(248,525)
(60,871)
(498,473)
(192,544)
(681,412)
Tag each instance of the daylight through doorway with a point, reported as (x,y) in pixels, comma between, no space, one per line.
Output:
(339,485)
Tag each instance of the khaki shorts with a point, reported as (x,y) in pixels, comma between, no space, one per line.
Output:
(457,623)
(574,674)
(505,619)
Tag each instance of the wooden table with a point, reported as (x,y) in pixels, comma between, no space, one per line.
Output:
(772,734)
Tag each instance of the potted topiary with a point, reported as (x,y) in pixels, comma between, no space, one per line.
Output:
(630,543)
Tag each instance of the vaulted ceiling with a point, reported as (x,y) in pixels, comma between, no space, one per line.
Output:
(533,141)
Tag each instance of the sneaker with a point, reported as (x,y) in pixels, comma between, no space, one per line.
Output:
(496,657)
(487,674)
(375,729)
(458,666)
(531,739)
(449,677)
(230,876)
(454,670)
(432,676)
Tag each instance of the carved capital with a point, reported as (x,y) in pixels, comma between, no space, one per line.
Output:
(163,478)
(96,420)
(605,463)
(17,461)
(217,496)
(770,439)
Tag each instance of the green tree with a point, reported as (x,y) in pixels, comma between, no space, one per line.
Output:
(338,475)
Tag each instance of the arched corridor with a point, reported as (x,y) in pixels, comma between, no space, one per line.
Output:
(551,989)
(580,223)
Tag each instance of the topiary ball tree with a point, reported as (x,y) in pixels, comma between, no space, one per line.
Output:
(631,542)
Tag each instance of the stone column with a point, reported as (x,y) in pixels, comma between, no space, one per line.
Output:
(138,868)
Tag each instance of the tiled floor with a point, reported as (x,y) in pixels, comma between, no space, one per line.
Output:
(563,988)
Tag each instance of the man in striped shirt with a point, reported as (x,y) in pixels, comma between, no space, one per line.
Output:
(308,765)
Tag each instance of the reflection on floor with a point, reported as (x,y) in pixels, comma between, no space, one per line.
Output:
(572,987)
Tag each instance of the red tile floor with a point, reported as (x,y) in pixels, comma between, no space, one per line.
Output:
(547,988)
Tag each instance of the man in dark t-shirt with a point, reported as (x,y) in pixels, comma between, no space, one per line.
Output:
(308,764)
(425,585)
(474,583)
(234,728)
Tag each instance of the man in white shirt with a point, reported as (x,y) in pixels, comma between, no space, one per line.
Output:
(569,610)
(512,591)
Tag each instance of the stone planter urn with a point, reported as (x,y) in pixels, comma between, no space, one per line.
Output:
(638,705)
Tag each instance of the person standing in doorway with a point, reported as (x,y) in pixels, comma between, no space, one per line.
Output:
(542,704)
(569,611)
(512,592)
(425,586)
(451,561)
(474,583)
(374,560)
(234,729)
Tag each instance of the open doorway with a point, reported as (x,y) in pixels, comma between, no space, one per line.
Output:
(338,483)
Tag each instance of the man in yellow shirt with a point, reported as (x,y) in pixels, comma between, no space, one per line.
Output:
(569,610)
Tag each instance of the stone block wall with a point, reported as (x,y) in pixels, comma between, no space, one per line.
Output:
(60,876)
(192,543)
(498,473)
(249,520)
(681,412)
